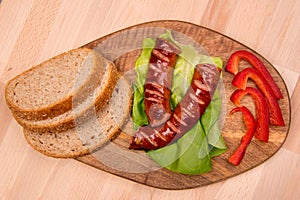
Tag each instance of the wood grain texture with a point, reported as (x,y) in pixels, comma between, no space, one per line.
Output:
(269,27)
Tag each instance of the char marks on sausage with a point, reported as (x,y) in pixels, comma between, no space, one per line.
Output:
(158,82)
(186,113)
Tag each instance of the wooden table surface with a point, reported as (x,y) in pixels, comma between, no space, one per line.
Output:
(32,31)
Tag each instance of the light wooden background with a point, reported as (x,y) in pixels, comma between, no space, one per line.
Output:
(34,30)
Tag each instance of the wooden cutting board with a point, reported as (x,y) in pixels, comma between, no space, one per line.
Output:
(123,47)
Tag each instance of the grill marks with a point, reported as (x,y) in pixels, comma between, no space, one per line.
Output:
(158,82)
(186,113)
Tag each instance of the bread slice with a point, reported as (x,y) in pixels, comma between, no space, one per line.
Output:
(89,135)
(82,106)
(46,90)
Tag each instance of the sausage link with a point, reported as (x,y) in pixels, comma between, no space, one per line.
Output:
(186,113)
(158,82)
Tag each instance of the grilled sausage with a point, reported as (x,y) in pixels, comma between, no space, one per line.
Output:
(186,113)
(158,82)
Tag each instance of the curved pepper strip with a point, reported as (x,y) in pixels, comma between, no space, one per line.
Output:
(233,63)
(240,81)
(261,110)
(249,120)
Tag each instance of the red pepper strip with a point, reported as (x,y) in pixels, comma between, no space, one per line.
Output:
(262,111)
(249,120)
(240,81)
(233,63)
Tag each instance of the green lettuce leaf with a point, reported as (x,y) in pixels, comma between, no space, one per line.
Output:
(141,67)
(188,155)
(210,125)
(183,73)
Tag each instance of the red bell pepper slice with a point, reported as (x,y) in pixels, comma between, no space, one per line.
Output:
(233,63)
(240,81)
(261,110)
(250,123)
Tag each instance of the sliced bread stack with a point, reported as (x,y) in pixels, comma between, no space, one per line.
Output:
(71,104)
